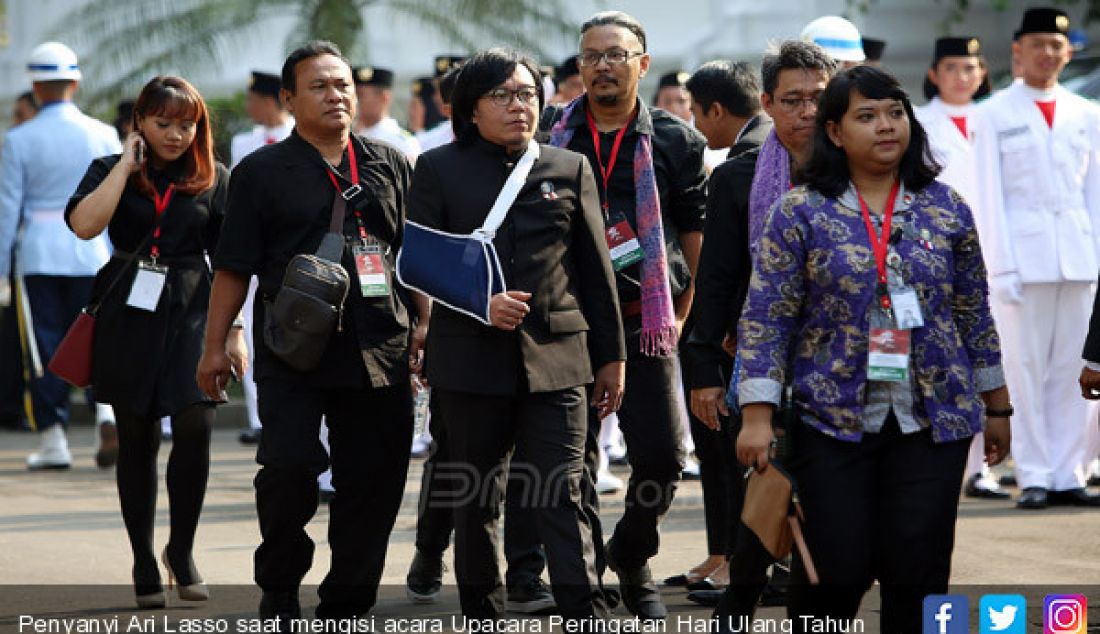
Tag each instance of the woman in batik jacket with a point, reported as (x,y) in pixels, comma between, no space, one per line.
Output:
(869,298)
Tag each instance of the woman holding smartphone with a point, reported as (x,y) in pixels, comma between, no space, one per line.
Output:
(161,202)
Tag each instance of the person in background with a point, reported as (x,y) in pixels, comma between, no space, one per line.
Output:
(568,80)
(446,71)
(956,79)
(24,108)
(839,37)
(873,50)
(880,440)
(162,200)
(374,89)
(672,94)
(40,167)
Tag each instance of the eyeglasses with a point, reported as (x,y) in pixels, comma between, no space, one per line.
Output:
(502,97)
(614,57)
(794,104)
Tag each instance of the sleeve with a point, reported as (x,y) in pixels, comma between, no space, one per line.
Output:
(776,294)
(688,199)
(241,241)
(724,265)
(97,172)
(1092,341)
(11,202)
(425,201)
(970,304)
(990,218)
(596,279)
(217,209)
(402,169)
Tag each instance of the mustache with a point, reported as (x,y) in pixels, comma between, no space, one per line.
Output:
(605,78)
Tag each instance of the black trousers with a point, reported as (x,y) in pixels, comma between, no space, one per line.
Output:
(883,508)
(650,421)
(481,431)
(369,435)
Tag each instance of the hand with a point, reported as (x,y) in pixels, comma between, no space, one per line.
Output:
(416,351)
(5,292)
(755,440)
(507,309)
(129,160)
(1007,288)
(998,439)
(237,350)
(213,372)
(707,403)
(729,344)
(680,327)
(1090,384)
(607,394)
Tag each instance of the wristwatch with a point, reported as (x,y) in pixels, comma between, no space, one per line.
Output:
(1000,413)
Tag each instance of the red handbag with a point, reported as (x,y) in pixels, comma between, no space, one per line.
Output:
(72,361)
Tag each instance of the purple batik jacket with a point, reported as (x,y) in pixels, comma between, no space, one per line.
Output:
(811,298)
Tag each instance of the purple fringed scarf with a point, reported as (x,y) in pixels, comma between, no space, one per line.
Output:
(658,318)
(772,179)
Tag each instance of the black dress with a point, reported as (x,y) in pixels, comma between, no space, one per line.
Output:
(146,361)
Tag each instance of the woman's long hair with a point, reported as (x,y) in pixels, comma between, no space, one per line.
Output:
(827,169)
(174,97)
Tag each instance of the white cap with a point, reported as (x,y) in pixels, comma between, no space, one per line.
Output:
(839,37)
(53,61)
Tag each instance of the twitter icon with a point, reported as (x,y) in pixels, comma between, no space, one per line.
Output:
(1003,614)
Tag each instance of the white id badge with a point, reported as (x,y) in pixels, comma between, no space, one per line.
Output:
(906,307)
(888,355)
(371,270)
(148,286)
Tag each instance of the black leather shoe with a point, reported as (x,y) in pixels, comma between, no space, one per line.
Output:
(1094,480)
(533,597)
(640,594)
(249,436)
(280,606)
(1007,480)
(774,595)
(1073,497)
(425,579)
(708,598)
(1032,498)
(705,583)
(976,489)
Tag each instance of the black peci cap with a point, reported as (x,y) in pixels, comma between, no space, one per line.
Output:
(956,47)
(372,76)
(444,63)
(567,69)
(873,48)
(1043,20)
(265,84)
(675,78)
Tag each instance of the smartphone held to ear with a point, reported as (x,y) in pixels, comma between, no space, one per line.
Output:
(139,151)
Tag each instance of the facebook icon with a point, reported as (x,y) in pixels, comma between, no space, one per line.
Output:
(946,614)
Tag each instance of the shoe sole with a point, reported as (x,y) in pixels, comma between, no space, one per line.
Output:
(48,467)
(530,607)
(107,455)
(422,599)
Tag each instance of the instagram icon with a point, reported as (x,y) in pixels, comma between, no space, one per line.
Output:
(1065,614)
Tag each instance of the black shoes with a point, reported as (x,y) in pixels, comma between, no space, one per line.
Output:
(425,579)
(984,488)
(282,607)
(1032,498)
(640,594)
(533,597)
(1073,497)
(249,436)
(708,598)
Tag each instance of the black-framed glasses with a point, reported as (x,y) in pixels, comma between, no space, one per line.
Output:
(794,104)
(614,57)
(502,97)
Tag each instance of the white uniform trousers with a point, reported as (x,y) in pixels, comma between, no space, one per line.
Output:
(1041,342)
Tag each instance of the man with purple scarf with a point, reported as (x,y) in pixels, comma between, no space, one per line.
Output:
(652,185)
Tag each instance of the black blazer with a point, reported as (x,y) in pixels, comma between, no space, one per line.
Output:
(725,265)
(1092,341)
(551,245)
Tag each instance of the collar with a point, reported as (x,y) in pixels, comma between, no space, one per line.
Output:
(1037,94)
(301,152)
(56,106)
(493,150)
(953,110)
(850,198)
(642,124)
(749,126)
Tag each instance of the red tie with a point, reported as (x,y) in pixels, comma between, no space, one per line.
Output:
(1048,111)
(269,140)
(960,123)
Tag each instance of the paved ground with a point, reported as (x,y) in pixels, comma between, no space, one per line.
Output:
(63,530)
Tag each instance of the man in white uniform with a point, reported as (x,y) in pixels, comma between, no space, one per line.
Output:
(1038,213)
(41,164)
(273,124)
(374,88)
(441,133)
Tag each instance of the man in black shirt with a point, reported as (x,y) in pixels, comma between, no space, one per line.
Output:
(280,204)
(612,117)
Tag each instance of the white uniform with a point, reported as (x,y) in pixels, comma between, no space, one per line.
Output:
(389,131)
(241,146)
(1038,216)
(246,143)
(440,134)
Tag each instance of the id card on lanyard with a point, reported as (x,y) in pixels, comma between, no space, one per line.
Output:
(150,279)
(370,261)
(888,348)
(621,240)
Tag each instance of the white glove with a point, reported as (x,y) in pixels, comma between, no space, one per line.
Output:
(5,292)
(1007,288)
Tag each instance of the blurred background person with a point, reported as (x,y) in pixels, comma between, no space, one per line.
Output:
(872,51)
(672,95)
(440,133)
(374,88)
(24,108)
(568,80)
(839,37)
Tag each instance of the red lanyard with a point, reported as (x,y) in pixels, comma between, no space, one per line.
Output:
(160,203)
(605,172)
(880,244)
(354,167)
